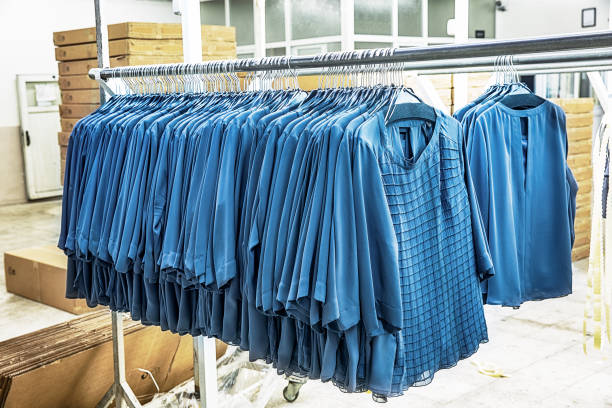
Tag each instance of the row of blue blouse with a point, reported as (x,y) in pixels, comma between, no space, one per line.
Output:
(305,228)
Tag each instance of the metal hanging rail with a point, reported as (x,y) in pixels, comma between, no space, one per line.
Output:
(586,47)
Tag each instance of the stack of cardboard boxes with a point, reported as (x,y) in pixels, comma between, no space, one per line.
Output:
(129,44)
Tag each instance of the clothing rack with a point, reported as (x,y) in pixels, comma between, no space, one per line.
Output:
(575,52)
(589,47)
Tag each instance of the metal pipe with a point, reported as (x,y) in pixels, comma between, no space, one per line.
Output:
(424,55)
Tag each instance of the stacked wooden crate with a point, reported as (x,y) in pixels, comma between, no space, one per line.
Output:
(129,44)
(579,122)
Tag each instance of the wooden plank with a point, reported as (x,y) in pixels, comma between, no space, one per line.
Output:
(583,213)
(68,124)
(88,96)
(141,47)
(583,200)
(575,105)
(62,138)
(574,120)
(167,31)
(145,47)
(77,82)
(76,52)
(139,30)
(582,239)
(579,160)
(77,67)
(79,36)
(579,134)
(583,146)
(582,173)
(76,110)
(580,252)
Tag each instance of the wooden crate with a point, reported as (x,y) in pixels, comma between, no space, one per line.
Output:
(76,110)
(131,46)
(68,124)
(88,96)
(145,31)
(62,138)
(77,82)
(575,120)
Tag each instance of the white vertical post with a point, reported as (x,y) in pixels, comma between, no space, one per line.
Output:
(395,22)
(425,21)
(288,27)
(101,42)
(460,81)
(347,24)
(226,10)
(205,368)
(119,358)
(207,365)
(192,31)
(259,17)
(609,73)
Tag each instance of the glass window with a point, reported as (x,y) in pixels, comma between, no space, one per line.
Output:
(481,18)
(241,17)
(409,21)
(440,11)
(373,17)
(312,49)
(334,46)
(213,12)
(275,52)
(275,20)
(315,18)
(245,55)
(363,45)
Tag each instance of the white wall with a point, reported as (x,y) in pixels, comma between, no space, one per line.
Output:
(26,36)
(527,18)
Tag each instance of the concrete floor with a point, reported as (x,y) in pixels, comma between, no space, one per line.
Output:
(538,347)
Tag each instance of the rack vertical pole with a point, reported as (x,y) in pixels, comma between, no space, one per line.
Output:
(460,81)
(204,355)
(120,390)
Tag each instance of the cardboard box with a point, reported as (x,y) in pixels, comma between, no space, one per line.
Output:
(77,67)
(70,365)
(40,274)
(131,46)
(77,82)
(76,110)
(68,124)
(62,138)
(150,31)
(88,96)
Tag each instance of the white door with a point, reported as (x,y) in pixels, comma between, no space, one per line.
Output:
(39,98)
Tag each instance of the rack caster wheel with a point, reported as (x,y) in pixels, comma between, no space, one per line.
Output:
(289,395)
(292,390)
